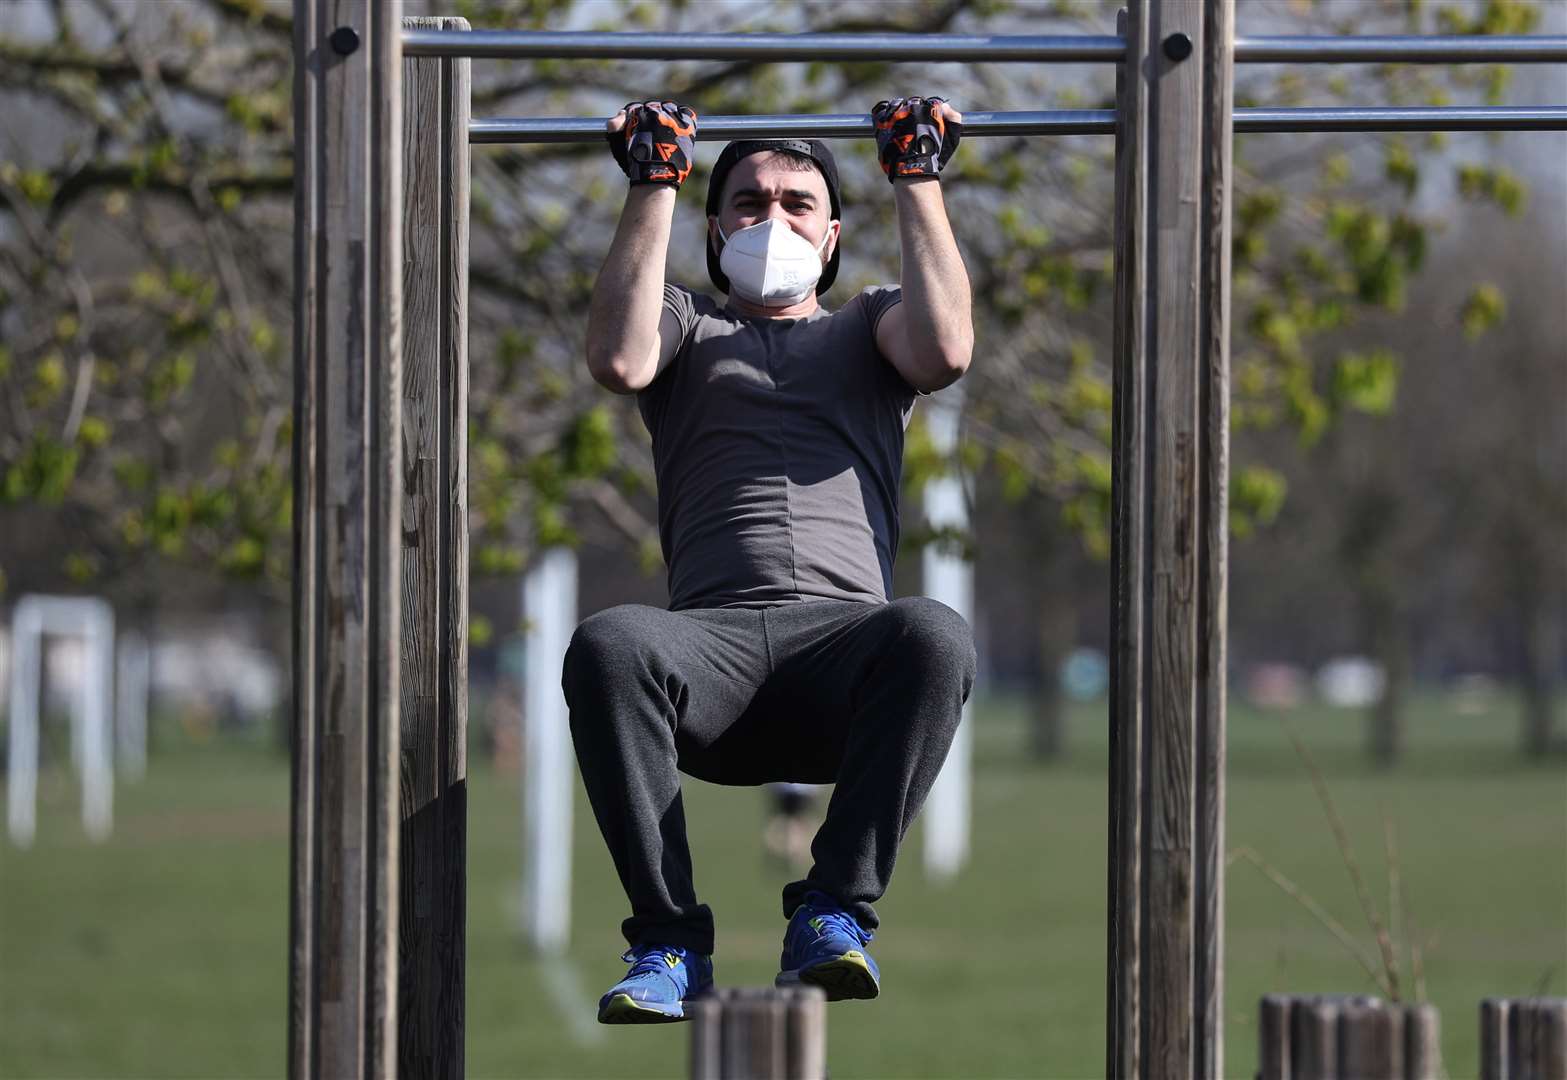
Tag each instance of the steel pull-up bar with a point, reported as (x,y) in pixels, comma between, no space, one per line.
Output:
(1060,49)
(1071,122)
(840,126)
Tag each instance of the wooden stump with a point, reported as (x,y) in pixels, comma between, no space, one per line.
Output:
(1523,1038)
(1347,1037)
(759,1033)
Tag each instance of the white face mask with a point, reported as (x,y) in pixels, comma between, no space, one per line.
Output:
(770,264)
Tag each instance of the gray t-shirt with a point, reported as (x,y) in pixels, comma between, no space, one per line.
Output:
(778,447)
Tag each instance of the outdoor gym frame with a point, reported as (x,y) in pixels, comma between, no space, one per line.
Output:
(382,131)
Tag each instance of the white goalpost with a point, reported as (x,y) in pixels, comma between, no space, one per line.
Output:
(949,577)
(92,620)
(548,765)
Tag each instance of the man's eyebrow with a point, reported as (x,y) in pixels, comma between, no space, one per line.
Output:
(792,193)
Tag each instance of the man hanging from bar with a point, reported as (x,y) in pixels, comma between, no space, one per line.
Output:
(778,432)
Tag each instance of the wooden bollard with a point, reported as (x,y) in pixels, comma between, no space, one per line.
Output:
(1422,1042)
(1346,1037)
(1523,1038)
(759,1033)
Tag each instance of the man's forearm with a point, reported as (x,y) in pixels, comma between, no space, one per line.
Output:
(628,295)
(936,300)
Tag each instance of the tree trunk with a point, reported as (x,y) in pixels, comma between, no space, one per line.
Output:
(1390,647)
(1056,627)
(1537,654)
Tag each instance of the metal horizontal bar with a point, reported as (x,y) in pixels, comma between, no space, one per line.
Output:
(583,45)
(586,45)
(1456,49)
(1060,122)
(844,126)
(1444,118)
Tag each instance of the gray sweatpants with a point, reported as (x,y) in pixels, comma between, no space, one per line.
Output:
(863,696)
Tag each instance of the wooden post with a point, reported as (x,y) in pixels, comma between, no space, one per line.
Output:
(1169,541)
(347,509)
(1493,1039)
(434,763)
(1371,1041)
(1348,1036)
(1523,1038)
(1422,1042)
(760,1033)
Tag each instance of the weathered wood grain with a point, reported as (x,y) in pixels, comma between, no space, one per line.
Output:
(759,1033)
(1494,1049)
(1523,1038)
(1128,542)
(1170,455)
(1371,1041)
(1422,1042)
(1213,558)
(433,757)
(1273,1038)
(347,552)
(1346,1037)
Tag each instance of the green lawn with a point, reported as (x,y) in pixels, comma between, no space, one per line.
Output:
(163,953)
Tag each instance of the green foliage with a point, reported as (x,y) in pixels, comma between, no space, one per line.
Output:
(1498,185)
(922,461)
(1333,238)
(497,559)
(1493,17)
(1366,382)
(588,447)
(81,567)
(93,432)
(1400,167)
(170,377)
(1256,497)
(244,558)
(480,630)
(1484,308)
(49,381)
(44,472)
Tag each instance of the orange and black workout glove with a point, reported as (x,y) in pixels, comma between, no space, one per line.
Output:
(657,145)
(912,139)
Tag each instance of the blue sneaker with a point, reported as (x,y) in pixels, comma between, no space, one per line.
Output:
(661,979)
(825,946)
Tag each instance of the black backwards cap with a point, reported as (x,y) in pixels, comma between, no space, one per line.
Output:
(814,149)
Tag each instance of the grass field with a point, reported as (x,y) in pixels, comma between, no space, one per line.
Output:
(163,952)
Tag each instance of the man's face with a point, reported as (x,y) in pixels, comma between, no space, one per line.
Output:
(767,185)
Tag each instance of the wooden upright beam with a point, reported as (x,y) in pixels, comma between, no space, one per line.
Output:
(1168,540)
(347,552)
(434,827)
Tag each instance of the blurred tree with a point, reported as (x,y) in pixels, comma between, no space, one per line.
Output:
(145,265)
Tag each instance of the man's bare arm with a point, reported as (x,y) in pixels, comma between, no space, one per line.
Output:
(929,337)
(630,336)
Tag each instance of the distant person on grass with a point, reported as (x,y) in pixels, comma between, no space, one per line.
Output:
(777,433)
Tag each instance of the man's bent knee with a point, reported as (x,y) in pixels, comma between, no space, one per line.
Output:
(606,645)
(936,635)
